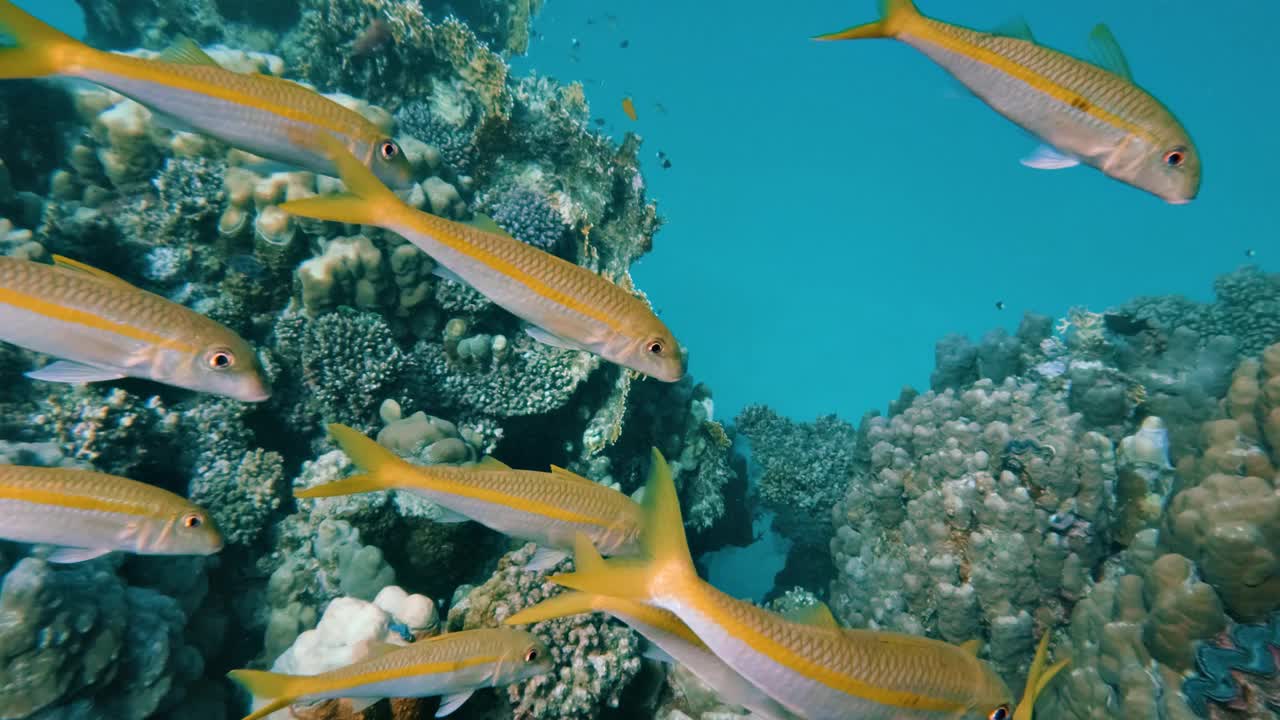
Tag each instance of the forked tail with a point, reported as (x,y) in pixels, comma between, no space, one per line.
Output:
(37,48)
(276,687)
(894,17)
(379,465)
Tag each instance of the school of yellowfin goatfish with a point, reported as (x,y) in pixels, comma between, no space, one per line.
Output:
(803,666)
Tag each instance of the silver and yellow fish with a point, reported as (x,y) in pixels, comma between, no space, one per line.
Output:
(1083,112)
(547,508)
(188,90)
(103,328)
(565,304)
(453,665)
(817,672)
(88,514)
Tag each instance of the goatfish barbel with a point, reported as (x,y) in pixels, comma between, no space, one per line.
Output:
(667,633)
(566,305)
(547,508)
(103,328)
(816,672)
(453,665)
(87,514)
(188,90)
(1083,112)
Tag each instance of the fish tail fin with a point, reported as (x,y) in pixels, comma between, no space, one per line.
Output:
(367,199)
(562,605)
(666,564)
(894,16)
(1038,678)
(276,687)
(41,49)
(378,463)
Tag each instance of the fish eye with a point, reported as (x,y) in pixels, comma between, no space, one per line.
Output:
(191,521)
(656,347)
(389,150)
(221,359)
(1000,713)
(1175,157)
(530,655)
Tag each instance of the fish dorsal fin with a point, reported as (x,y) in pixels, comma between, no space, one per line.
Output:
(378,648)
(973,647)
(489,462)
(1107,53)
(817,615)
(66,262)
(185,51)
(487,224)
(568,474)
(1016,28)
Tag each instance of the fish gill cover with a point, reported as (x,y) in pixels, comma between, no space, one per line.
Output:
(1109,478)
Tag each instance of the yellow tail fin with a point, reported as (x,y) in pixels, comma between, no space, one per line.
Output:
(374,459)
(366,201)
(42,50)
(666,551)
(562,605)
(894,17)
(1038,678)
(265,686)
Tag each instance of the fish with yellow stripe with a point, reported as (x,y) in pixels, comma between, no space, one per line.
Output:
(547,508)
(1084,112)
(667,633)
(453,665)
(816,672)
(566,305)
(103,328)
(87,514)
(188,90)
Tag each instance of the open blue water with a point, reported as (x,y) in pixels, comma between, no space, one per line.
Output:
(834,208)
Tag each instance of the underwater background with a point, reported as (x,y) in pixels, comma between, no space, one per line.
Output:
(953,396)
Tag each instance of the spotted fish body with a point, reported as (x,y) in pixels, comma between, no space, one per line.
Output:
(87,514)
(454,665)
(547,508)
(1087,113)
(104,328)
(189,91)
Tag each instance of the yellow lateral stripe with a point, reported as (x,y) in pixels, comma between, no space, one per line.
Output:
(762,643)
(144,70)
(1032,78)
(513,502)
(88,319)
(394,673)
(456,241)
(39,496)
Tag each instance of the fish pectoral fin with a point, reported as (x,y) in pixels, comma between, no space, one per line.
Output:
(266,166)
(63,261)
(66,371)
(1107,53)
(545,558)
(68,555)
(172,122)
(449,703)
(548,338)
(185,51)
(1016,28)
(445,273)
(445,516)
(1047,158)
(361,704)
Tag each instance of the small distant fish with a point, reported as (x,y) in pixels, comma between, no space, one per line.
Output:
(453,666)
(666,163)
(624,44)
(629,108)
(661,155)
(187,90)
(599,122)
(103,328)
(999,304)
(547,508)
(1089,113)
(575,43)
(1250,252)
(662,109)
(88,514)
(377,34)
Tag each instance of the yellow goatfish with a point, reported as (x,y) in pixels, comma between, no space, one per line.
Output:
(665,631)
(88,514)
(547,508)
(817,672)
(566,305)
(453,665)
(188,90)
(103,328)
(1083,112)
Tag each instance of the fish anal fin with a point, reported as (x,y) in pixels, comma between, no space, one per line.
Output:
(74,373)
(1047,158)
(1107,53)
(451,702)
(68,555)
(63,261)
(545,558)
(1016,28)
(548,338)
(360,704)
(185,51)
